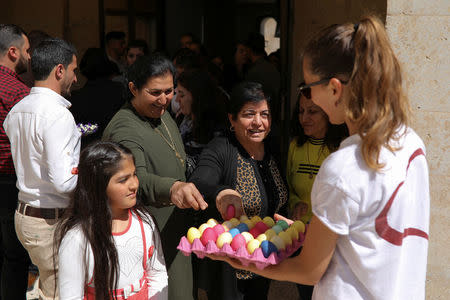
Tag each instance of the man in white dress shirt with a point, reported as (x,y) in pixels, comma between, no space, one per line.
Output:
(45,146)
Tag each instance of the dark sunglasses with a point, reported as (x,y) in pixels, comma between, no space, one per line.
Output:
(305,89)
(157,93)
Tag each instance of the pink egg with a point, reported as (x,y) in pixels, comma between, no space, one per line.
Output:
(238,242)
(255,232)
(261,226)
(218,229)
(230,211)
(208,235)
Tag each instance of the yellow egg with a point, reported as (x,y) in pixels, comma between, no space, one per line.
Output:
(234,221)
(243,218)
(253,245)
(292,232)
(227,225)
(247,236)
(203,227)
(192,234)
(224,238)
(249,224)
(269,221)
(270,233)
(255,219)
(299,226)
(262,237)
(278,242)
(286,238)
(212,222)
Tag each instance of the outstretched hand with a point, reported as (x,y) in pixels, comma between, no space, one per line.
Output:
(229,197)
(280,217)
(186,195)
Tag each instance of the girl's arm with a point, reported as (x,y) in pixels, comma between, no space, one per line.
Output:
(71,263)
(156,268)
(307,268)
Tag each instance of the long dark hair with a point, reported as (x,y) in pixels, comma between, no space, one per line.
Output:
(208,104)
(333,137)
(89,209)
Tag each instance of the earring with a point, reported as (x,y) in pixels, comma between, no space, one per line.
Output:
(232,128)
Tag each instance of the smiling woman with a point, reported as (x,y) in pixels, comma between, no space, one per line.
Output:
(239,169)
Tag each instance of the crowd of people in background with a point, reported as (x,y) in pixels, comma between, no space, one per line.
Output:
(173,141)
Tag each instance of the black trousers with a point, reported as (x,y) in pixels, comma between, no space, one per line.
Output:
(14,258)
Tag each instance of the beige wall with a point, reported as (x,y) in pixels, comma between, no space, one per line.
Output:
(419,32)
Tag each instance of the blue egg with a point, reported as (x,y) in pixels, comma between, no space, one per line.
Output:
(283,224)
(234,231)
(242,227)
(277,228)
(268,248)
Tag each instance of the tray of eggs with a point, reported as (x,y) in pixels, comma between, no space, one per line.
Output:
(259,241)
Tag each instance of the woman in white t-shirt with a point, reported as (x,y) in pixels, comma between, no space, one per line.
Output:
(368,237)
(107,242)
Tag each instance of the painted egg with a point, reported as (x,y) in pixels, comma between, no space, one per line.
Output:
(227,225)
(277,229)
(292,232)
(261,226)
(270,233)
(208,235)
(283,224)
(234,232)
(255,219)
(203,227)
(268,248)
(278,242)
(192,234)
(219,229)
(243,218)
(286,237)
(262,237)
(268,221)
(249,224)
(212,222)
(234,221)
(224,238)
(248,237)
(255,232)
(299,225)
(253,245)
(230,211)
(242,227)
(238,242)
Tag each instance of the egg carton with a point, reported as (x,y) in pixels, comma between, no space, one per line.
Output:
(257,258)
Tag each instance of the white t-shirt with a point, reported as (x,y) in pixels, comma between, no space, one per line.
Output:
(73,258)
(381,218)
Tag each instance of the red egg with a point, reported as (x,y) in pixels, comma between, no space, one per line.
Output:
(255,232)
(238,242)
(208,235)
(230,211)
(261,226)
(218,229)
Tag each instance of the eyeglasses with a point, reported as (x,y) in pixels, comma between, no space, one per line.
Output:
(305,89)
(157,93)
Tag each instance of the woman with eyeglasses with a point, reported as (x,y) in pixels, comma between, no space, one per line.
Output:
(145,127)
(368,237)
(239,170)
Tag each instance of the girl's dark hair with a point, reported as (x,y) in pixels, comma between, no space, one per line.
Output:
(208,104)
(375,102)
(244,93)
(89,209)
(333,137)
(146,67)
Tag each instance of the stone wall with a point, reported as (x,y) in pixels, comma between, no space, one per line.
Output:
(419,32)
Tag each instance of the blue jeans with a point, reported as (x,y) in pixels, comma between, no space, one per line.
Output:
(15,260)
